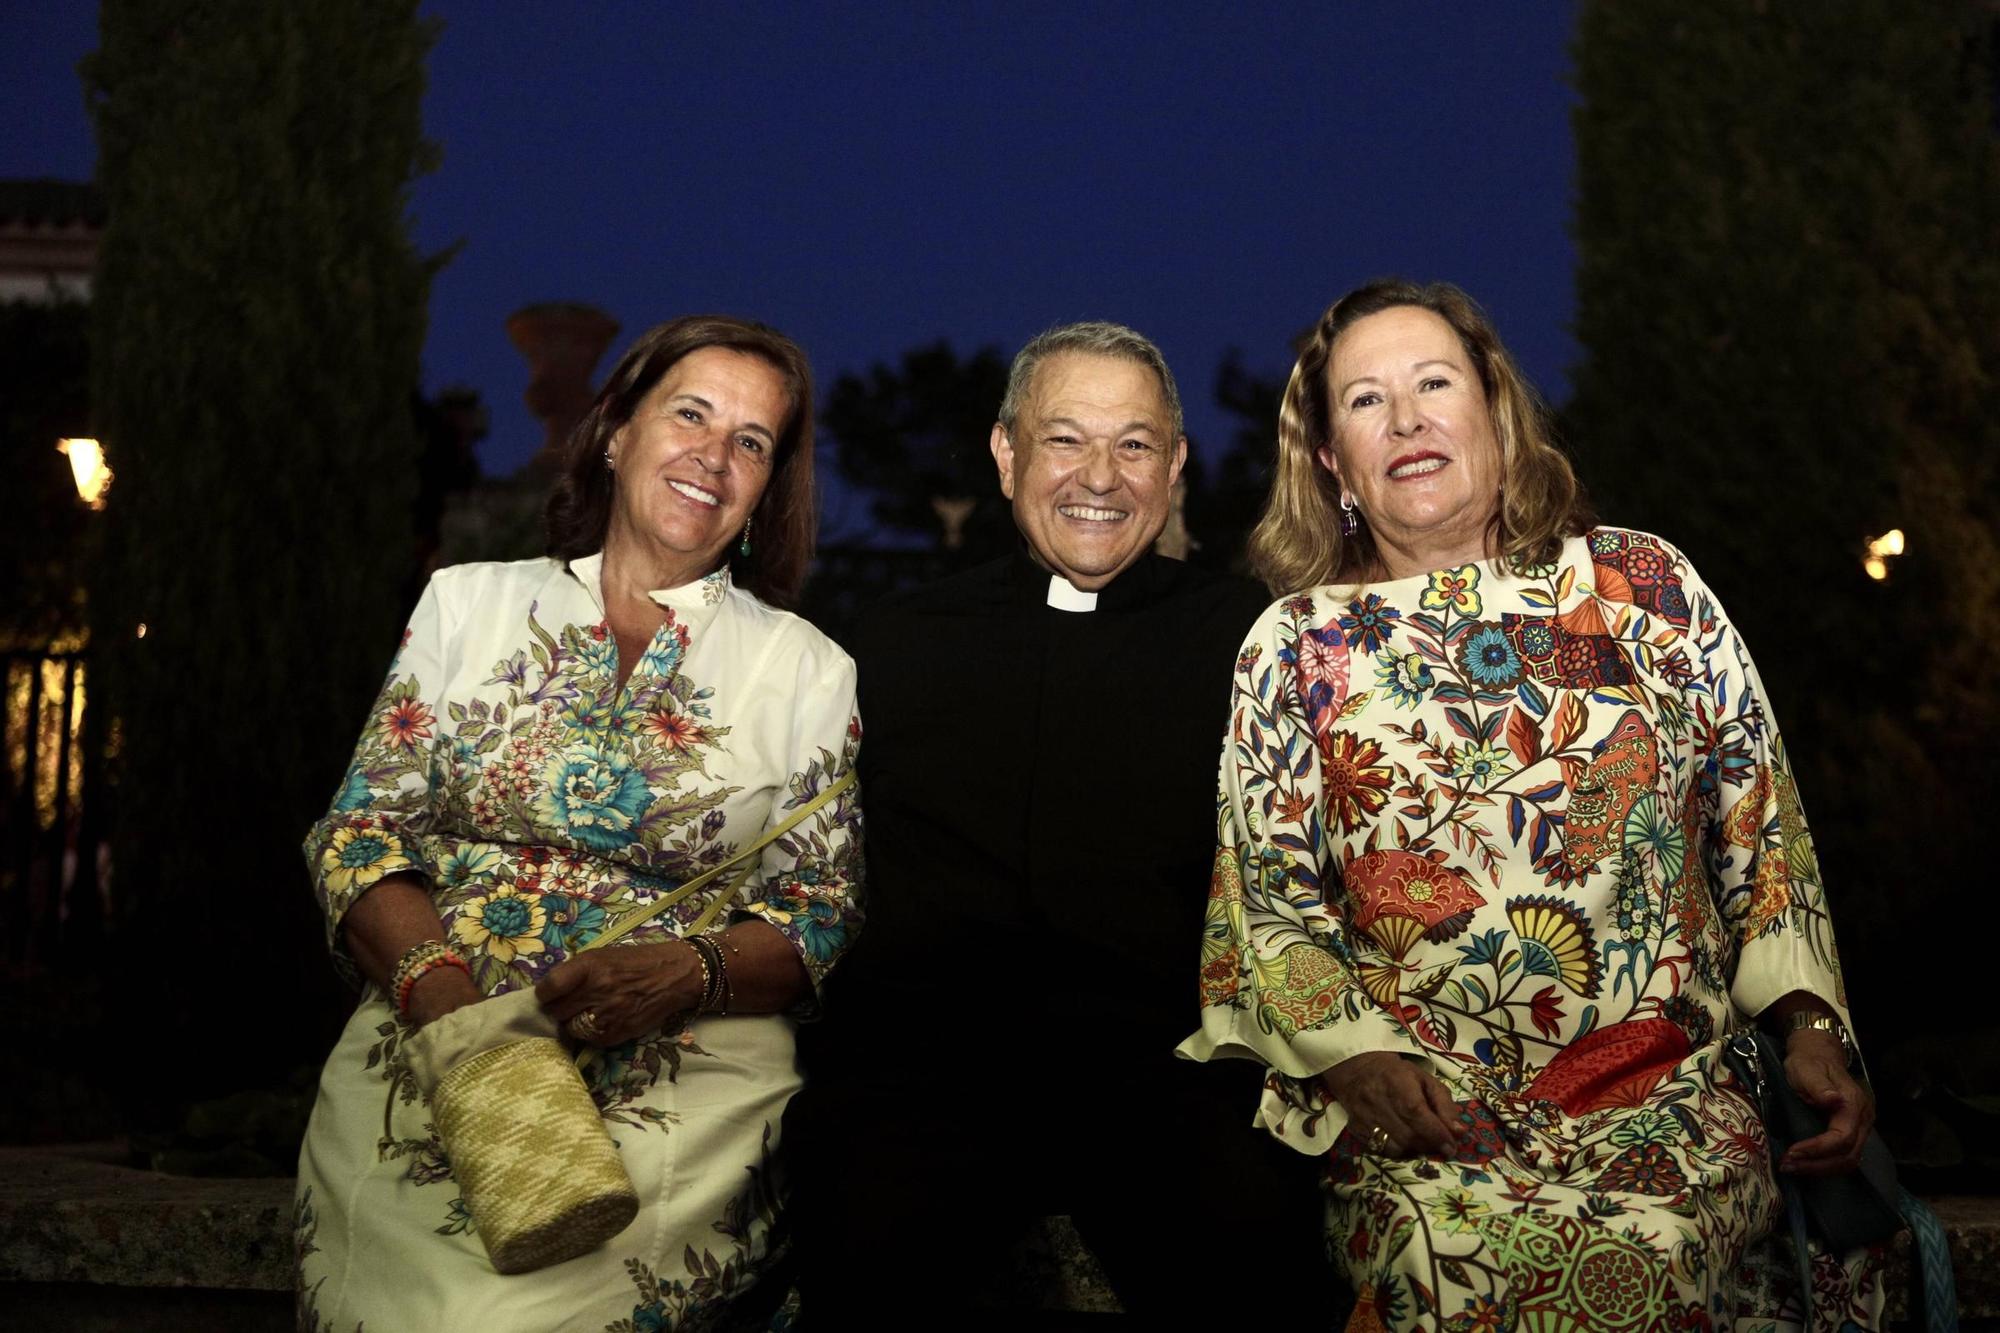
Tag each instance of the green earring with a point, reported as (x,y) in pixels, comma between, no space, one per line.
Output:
(743,548)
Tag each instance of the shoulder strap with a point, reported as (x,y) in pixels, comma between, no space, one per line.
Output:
(747,858)
(1795,1212)
(1936,1293)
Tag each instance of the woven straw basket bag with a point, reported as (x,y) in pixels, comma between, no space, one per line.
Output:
(541,1177)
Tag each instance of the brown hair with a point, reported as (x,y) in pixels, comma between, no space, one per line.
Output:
(783,524)
(1297,542)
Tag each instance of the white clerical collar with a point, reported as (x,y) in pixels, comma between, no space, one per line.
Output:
(1066,596)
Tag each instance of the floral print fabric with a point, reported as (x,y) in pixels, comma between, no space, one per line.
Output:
(1536,829)
(541,799)
(505,763)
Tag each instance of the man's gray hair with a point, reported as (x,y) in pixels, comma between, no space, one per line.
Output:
(1091,338)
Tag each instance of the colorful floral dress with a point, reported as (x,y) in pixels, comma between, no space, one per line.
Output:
(504,762)
(1537,830)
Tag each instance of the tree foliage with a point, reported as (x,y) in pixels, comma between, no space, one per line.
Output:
(919,431)
(1223,505)
(257,324)
(1789,302)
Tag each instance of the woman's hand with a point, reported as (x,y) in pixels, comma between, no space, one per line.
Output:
(1402,1098)
(1816,1067)
(625,992)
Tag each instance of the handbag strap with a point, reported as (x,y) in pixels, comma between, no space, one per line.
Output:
(1795,1211)
(1747,1050)
(1936,1287)
(747,858)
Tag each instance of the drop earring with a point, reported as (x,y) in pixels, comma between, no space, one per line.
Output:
(1350,521)
(743,547)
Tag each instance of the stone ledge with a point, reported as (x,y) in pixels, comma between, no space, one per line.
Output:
(69,1216)
(73,1215)
(1055,1270)
(1972,1226)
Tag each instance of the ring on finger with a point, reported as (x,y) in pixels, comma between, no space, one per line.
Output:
(585,1024)
(1378,1140)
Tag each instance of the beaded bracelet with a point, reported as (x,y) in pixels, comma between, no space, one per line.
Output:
(714,976)
(720,942)
(419,959)
(416,963)
(416,953)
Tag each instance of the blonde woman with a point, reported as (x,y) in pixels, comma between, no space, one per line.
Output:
(1508,846)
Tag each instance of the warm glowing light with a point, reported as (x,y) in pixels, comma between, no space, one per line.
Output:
(1880,550)
(142,629)
(87,465)
(40,728)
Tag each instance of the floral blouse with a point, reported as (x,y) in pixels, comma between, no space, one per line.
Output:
(503,762)
(1516,823)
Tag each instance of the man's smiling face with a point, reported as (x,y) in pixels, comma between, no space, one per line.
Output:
(1090,465)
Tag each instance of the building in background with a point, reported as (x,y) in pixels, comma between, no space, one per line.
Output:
(49,236)
(49,232)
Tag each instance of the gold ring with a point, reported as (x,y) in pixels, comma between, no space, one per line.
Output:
(1378,1140)
(585,1024)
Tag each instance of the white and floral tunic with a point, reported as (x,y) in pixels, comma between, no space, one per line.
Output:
(1537,830)
(504,763)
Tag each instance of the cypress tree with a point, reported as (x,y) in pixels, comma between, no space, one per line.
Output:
(1788,299)
(257,324)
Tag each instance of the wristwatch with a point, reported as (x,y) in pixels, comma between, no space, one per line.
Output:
(1826,1023)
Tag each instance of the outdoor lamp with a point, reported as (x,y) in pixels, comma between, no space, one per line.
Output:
(87,465)
(1880,551)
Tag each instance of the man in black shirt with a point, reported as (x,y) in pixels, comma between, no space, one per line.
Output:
(1039,771)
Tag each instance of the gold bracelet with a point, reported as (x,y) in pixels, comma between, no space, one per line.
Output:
(709,975)
(714,975)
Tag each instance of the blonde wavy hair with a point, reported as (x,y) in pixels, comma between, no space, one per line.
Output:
(1297,542)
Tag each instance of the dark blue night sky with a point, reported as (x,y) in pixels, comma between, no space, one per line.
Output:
(868,180)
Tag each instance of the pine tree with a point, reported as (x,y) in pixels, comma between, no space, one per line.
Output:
(257,324)
(1789,303)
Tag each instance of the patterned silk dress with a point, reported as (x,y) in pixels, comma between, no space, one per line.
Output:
(505,764)
(1537,830)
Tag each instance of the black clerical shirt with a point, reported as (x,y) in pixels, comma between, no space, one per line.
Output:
(1040,794)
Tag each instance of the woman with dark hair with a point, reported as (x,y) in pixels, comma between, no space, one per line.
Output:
(1509,847)
(560,741)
